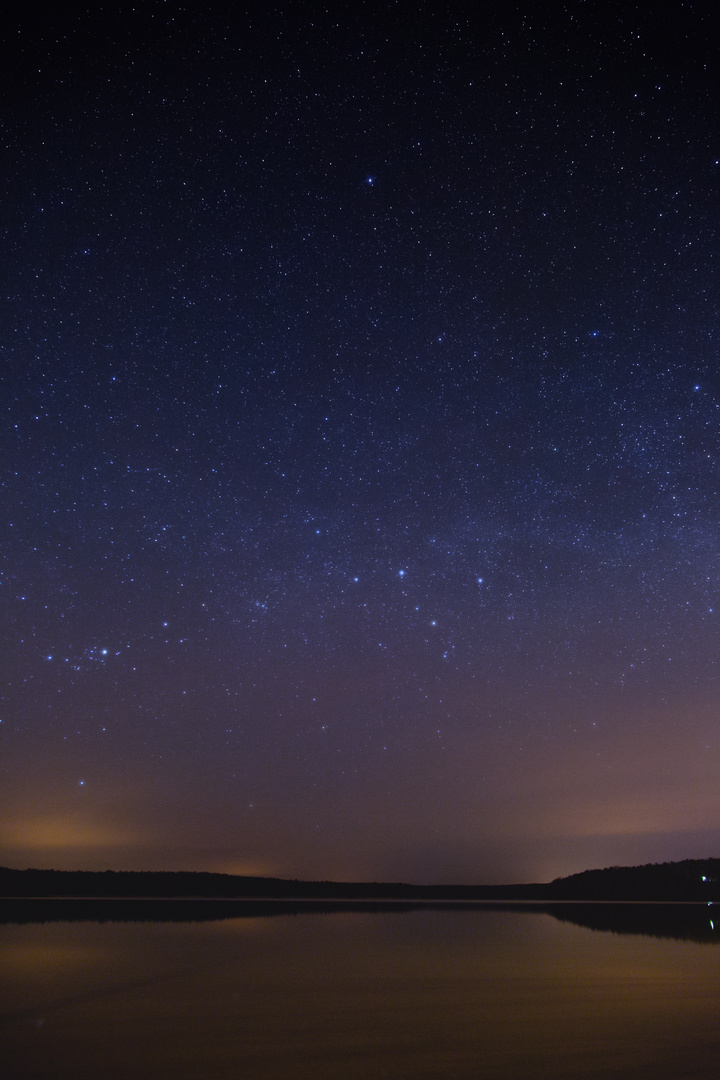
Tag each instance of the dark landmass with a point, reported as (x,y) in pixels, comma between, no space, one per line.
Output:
(181,884)
(669,900)
(693,880)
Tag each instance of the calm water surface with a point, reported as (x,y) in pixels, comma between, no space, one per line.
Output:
(415,994)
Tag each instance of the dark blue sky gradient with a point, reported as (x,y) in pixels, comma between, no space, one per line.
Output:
(360,459)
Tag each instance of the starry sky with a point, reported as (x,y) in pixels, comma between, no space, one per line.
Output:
(361,418)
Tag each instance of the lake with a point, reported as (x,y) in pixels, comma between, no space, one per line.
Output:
(419,993)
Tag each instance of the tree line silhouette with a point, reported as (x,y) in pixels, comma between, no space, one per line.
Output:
(690,880)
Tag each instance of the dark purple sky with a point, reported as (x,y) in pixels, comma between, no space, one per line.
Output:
(361,402)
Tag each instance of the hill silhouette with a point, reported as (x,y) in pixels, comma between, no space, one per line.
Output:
(689,880)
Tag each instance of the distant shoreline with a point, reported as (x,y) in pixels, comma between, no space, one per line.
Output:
(689,881)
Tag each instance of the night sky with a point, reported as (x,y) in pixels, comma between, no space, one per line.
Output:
(360,443)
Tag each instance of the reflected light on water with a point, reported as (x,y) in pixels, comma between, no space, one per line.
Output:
(422,994)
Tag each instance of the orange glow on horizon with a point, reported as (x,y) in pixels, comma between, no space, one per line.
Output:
(61,833)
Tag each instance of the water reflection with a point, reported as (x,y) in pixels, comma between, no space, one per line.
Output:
(419,994)
(684,922)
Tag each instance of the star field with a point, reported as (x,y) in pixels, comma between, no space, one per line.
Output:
(360,450)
